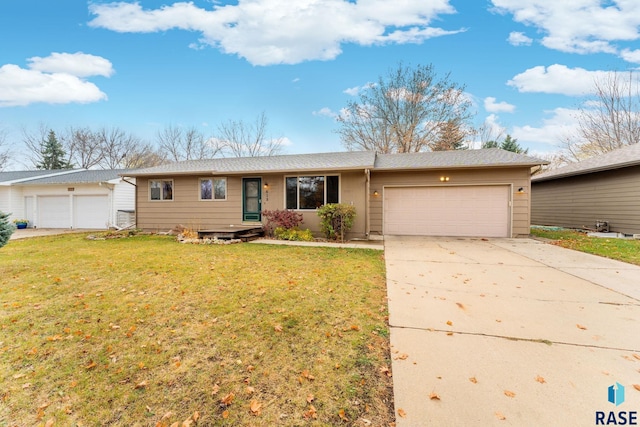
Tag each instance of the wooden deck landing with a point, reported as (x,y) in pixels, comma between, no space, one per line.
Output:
(244,233)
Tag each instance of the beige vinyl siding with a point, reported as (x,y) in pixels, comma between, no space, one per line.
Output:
(516,177)
(579,201)
(186,208)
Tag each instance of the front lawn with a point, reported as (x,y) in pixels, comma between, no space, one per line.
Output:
(620,249)
(146,331)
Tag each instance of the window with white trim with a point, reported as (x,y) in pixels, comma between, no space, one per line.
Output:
(213,189)
(311,192)
(161,189)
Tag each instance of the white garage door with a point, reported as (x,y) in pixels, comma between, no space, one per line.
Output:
(54,212)
(481,211)
(90,212)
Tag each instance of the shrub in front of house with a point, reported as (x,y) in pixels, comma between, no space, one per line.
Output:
(285,219)
(294,234)
(6,229)
(336,219)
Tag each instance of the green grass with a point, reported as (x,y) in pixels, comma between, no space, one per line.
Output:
(620,249)
(124,332)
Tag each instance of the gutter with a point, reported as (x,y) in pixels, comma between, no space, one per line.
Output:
(367,221)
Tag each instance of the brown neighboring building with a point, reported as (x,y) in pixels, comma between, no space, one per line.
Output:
(601,188)
(453,193)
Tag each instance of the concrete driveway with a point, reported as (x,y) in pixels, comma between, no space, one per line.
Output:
(509,332)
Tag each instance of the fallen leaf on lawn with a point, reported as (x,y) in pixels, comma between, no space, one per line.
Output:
(473,380)
(500,416)
(636,386)
(311,413)
(250,390)
(540,379)
(187,423)
(216,389)
(196,416)
(50,422)
(342,415)
(256,407)
(141,384)
(166,416)
(509,393)
(44,405)
(579,326)
(385,371)
(354,327)
(225,414)
(176,424)
(310,398)
(401,413)
(228,399)
(91,365)
(278,328)
(307,375)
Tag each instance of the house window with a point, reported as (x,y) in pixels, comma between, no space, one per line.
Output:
(311,192)
(161,189)
(213,189)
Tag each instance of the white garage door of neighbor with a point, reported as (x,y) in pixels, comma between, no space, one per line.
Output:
(472,211)
(90,212)
(54,212)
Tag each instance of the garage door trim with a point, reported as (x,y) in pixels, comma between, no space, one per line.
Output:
(507,186)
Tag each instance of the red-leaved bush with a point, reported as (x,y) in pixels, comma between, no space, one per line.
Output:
(281,218)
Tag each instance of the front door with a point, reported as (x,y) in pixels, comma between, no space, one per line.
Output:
(251,199)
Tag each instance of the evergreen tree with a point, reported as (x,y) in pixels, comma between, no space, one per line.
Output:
(490,144)
(53,154)
(511,144)
(6,229)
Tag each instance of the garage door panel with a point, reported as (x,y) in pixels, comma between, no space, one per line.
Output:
(447,211)
(54,212)
(91,212)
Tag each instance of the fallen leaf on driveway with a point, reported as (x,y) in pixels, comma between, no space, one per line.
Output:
(473,380)
(584,328)
(509,393)
(540,379)
(636,386)
(434,396)
(500,416)
(402,413)
(459,304)
(449,322)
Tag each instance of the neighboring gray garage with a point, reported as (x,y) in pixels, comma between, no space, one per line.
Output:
(602,188)
(473,210)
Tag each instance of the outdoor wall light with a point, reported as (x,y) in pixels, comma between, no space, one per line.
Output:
(521,190)
(444,179)
(266,186)
(375,193)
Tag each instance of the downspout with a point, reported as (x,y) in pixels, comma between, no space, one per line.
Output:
(135,199)
(367,224)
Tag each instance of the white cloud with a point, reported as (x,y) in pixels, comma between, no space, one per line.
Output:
(56,79)
(519,39)
(563,122)
(77,64)
(558,79)
(354,91)
(631,55)
(326,112)
(579,26)
(492,106)
(283,31)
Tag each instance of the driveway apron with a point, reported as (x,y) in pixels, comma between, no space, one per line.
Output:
(509,332)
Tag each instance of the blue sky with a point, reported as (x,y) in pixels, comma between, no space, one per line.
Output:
(142,66)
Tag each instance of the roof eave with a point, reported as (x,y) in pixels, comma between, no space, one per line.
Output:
(248,172)
(587,171)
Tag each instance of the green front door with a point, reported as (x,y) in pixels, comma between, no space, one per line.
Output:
(251,199)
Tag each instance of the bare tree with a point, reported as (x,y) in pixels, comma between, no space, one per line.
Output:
(142,156)
(5,153)
(404,112)
(241,139)
(608,120)
(186,144)
(84,147)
